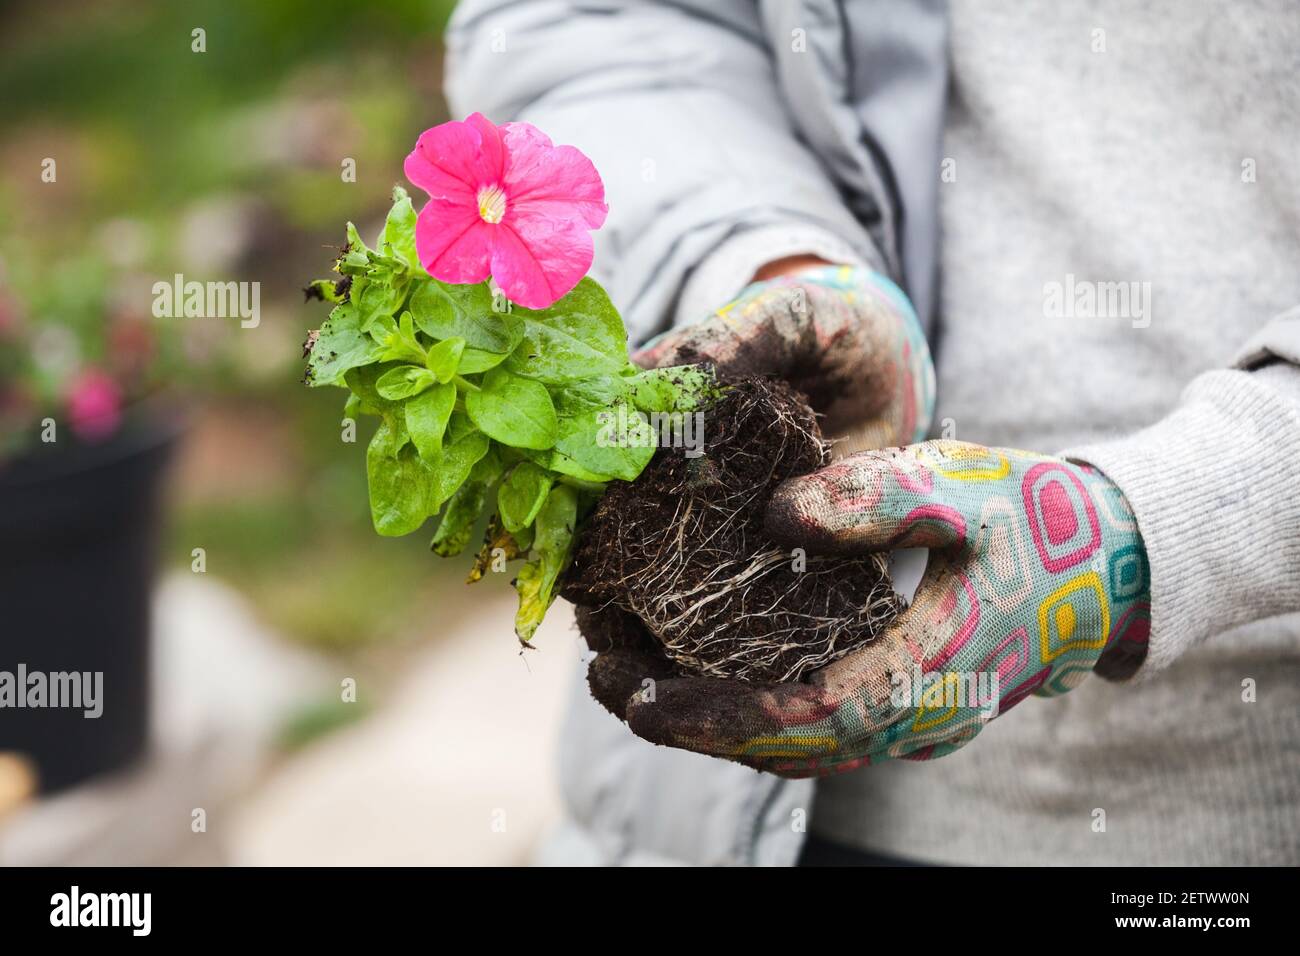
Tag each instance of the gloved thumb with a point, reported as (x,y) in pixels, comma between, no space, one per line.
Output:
(871,501)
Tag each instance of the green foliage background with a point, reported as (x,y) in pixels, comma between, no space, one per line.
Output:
(226,165)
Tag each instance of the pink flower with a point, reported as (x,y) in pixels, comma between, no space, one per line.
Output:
(94,405)
(505,202)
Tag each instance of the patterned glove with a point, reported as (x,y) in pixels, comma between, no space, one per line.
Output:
(1037,576)
(846,337)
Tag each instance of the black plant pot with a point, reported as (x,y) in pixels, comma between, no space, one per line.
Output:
(77,558)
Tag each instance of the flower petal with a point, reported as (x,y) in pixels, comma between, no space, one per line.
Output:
(453,243)
(494,151)
(537,259)
(95,405)
(454,160)
(547,180)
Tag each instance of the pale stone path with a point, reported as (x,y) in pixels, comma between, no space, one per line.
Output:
(456,768)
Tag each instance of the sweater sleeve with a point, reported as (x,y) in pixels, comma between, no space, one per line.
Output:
(1215,487)
(677,104)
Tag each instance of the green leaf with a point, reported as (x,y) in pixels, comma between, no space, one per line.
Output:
(459,456)
(443,359)
(463,508)
(553,544)
(398,481)
(556,520)
(562,464)
(522,494)
(447,311)
(404,488)
(399,341)
(426,418)
(355,264)
(605,440)
(378,298)
(404,381)
(355,242)
(363,381)
(578,337)
(474,299)
(382,328)
(460,426)
(476,360)
(457,525)
(678,388)
(523,539)
(399,228)
(391,436)
(603,390)
(515,411)
(356,260)
(434,310)
(340,346)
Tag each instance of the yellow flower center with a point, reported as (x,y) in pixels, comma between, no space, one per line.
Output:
(491,204)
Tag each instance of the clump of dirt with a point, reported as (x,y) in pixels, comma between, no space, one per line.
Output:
(683,550)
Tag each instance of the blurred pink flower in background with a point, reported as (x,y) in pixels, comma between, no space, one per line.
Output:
(94,405)
(504,201)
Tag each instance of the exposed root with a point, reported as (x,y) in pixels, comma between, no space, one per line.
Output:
(683,549)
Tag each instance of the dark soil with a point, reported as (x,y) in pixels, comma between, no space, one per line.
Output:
(682,551)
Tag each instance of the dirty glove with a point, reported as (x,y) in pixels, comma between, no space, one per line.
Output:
(845,336)
(1037,576)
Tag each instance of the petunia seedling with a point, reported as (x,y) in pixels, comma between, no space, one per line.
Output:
(485,406)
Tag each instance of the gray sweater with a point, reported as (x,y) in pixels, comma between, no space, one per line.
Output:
(1096,209)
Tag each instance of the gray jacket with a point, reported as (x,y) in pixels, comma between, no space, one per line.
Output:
(665,97)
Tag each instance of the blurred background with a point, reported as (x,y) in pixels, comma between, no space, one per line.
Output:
(288,687)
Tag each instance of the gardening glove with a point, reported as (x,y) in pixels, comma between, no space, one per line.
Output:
(845,336)
(1037,577)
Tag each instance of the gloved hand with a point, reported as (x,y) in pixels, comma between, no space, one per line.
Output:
(845,336)
(1037,576)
